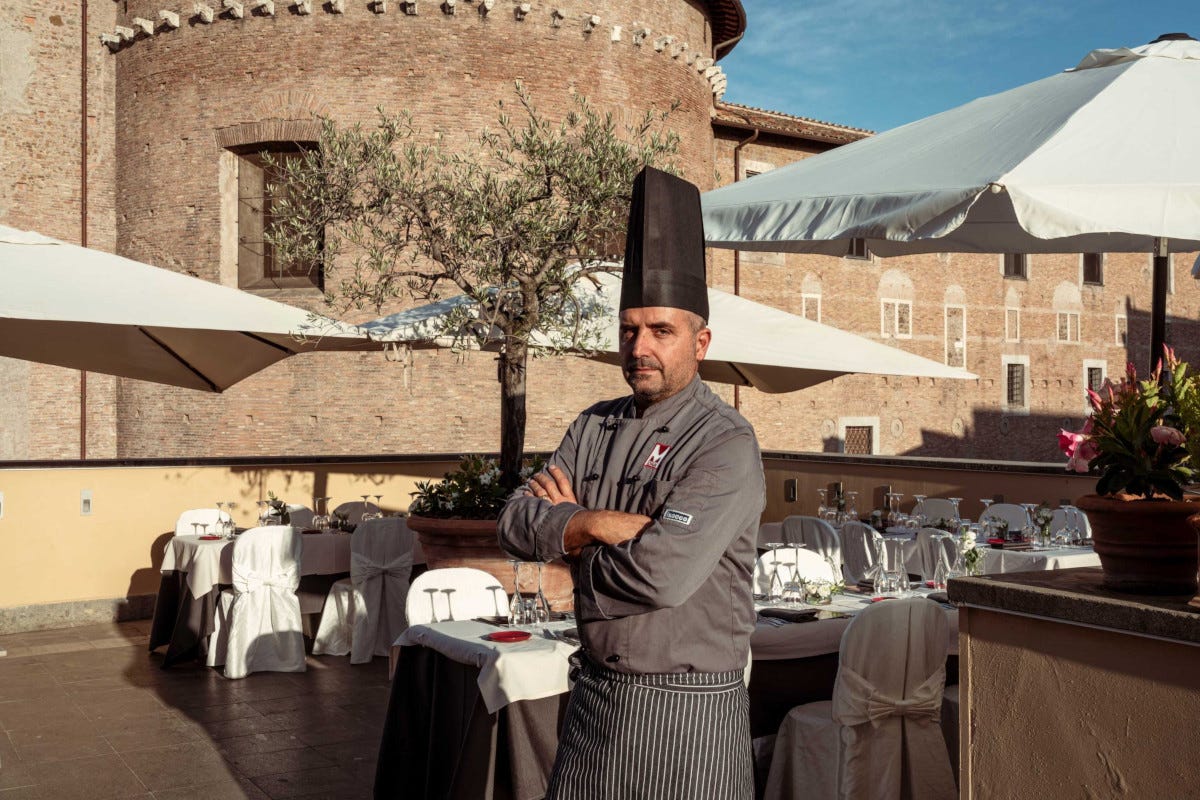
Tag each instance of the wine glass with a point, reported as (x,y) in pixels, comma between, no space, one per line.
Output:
(378,506)
(195,529)
(449,604)
(366,515)
(515,608)
(775,586)
(220,517)
(204,529)
(852,505)
(792,592)
(262,510)
(919,508)
(955,501)
(232,506)
(432,605)
(540,604)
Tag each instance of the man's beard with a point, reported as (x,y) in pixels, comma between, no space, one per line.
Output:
(642,394)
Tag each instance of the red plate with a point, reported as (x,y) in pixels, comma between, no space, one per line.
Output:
(881,599)
(209,538)
(507,637)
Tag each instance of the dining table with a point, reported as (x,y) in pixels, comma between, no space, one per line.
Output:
(469,717)
(196,568)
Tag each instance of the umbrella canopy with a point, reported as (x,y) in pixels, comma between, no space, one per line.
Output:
(752,345)
(85,309)
(1095,159)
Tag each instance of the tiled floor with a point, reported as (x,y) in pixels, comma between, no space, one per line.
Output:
(87,713)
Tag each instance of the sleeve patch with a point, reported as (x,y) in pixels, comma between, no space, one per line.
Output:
(670,515)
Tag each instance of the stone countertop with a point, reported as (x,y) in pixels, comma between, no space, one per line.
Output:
(1077,596)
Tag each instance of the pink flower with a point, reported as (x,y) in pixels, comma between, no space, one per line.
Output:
(1087,427)
(1086,450)
(1068,442)
(1077,464)
(1165,434)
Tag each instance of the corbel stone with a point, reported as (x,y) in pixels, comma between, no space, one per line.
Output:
(126,34)
(337,6)
(233,8)
(485,7)
(169,18)
(379,6)
(591,22)
(203,13)
(615,36)
(639,33)
(703,63)
(522,10)
(264,7)
(303,7)
(691,58)
(556,17)
(409,7)
(662,42)
(712,72)
(112,42)
(678,49)
(143,26)
(449,6)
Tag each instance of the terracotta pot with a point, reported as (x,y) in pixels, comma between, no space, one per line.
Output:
(1145,546)
(473,543)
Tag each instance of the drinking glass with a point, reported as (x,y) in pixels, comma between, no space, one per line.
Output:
(878,571)
(449,604)
(366,515)
(823,504)
(220,517)
(195,528)
(204,529)
(432,605)
(541,604)
(232,506)
(954,501)
(378,506)
(919,508)
(852,505)
(897,573)
(775,587)
(941,572)
(793,588)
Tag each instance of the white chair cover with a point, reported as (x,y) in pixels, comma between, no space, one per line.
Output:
(807,565)
(858,550)
(935,508)
(300,516)
(355,509)
(364,613)
(768,533)
(816,534)
(204,516)
(454,593)
(933,545)
(258,626)
(1011,513)
(880,737)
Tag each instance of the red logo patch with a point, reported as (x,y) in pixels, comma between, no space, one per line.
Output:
(656,456)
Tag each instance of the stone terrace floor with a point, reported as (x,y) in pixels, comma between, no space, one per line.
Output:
(87,713)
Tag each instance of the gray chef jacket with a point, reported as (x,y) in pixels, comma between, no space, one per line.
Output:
(678,597)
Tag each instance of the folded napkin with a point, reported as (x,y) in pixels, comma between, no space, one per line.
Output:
(790,614)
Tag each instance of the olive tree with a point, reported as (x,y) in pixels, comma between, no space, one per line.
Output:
(514,222)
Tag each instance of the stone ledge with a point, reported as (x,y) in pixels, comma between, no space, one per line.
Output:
(47,616)
(1076,596)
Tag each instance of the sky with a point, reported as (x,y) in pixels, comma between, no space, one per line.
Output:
(877,64)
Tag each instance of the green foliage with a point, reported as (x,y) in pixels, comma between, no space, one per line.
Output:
(473,491)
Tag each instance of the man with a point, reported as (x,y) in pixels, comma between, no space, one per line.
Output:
(654,498)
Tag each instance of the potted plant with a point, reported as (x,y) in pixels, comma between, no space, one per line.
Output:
(1143,441)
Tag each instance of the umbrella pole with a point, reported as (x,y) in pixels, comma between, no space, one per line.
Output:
(1158,308)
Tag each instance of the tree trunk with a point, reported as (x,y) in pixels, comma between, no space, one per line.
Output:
(512,411)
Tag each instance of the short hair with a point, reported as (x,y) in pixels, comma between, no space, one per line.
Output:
(696,322)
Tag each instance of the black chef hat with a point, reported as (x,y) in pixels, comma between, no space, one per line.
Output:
(664,246)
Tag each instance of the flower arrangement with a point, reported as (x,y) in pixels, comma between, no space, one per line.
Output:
(278,508)
(473,491)
(1143,437)
(970,552)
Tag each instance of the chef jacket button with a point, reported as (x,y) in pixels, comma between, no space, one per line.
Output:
(664,429)
(614,658)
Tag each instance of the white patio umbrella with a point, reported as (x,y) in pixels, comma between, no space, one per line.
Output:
(86,309)
(753,344)
(1099,158)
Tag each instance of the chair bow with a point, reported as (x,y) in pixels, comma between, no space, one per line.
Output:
(861,702)
(363,569)
(250,580)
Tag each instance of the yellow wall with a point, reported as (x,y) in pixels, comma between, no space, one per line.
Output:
(50,553)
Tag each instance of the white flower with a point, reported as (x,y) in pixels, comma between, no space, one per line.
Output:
(526,473)
(485,479)
(967,543)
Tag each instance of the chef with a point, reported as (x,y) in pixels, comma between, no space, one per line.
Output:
(654,498)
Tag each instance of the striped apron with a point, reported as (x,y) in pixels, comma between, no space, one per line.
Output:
(683,736)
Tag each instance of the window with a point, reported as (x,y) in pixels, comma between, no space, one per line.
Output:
(810,307)
(1068,326)
(1095,378)
(1015,384)
(1093,268)
(1094,373)
(858,440)
(858,249)
(259,189)
(1012,324)
(956,336)
(895,319)
(1016,265)
(1122,330)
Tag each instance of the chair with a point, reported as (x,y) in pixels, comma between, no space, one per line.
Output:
(816,534)
(364,613)
(934,545)
(807,565)
(1011,513)
(768,533)
(454,593)
(202,516)
(257,625)
(355,509)
(880,736)
(300,516)
(858,550)
(935,508)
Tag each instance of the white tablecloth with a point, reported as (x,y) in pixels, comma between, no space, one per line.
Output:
(209,562)
(997,561)
(528,670)
(809,639)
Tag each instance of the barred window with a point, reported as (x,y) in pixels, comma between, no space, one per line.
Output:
(858,440)
(858,249)
(1095,378)
(1016,385)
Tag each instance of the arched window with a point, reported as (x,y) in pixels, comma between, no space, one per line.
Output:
(1067,307)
